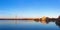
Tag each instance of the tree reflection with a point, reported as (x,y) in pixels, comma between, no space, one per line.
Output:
(58,23)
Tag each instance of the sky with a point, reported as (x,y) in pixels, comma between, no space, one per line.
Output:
(29,8)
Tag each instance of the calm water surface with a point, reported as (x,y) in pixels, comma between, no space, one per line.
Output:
(29,25)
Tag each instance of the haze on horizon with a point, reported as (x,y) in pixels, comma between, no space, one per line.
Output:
(29,8)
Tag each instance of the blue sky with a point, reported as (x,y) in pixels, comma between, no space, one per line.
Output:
(29,8)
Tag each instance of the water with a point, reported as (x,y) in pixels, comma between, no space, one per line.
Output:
(29,25)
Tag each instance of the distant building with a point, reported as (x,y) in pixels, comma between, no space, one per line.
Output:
(43,18)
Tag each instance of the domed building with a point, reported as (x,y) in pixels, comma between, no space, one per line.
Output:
(44,18)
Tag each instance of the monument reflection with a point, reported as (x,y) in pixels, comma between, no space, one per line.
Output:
(47,20)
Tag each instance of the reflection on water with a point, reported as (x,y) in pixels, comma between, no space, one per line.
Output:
(30,24)
(57,22)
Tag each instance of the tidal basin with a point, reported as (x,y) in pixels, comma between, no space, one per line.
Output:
(29,25)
